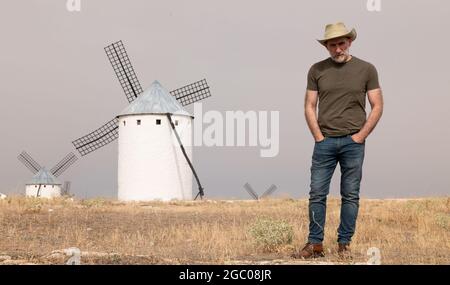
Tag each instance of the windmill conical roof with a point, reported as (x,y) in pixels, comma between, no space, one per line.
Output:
(43,176)
(155,100)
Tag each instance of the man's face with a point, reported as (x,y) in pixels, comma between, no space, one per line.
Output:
(339,49)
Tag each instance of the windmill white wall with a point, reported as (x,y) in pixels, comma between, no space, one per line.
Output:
(46,191)
(49,186)
(151,164)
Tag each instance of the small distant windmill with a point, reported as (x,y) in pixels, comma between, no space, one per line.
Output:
(255,196)
(44,183)
(149,167)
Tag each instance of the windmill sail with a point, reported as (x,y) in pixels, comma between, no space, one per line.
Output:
(192,93)
(251,191)
(98,138)
(121,64)
(65,163)
(269,191)
(29,162)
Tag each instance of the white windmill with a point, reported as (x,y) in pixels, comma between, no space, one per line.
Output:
(150,165)
(44,183)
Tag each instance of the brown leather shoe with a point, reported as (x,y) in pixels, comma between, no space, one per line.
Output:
(344,251)
(310,250)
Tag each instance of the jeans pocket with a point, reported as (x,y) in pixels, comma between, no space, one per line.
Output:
(325,138)
(356,142)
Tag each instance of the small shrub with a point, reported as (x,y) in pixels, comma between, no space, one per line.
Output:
(270,234)
(443,221)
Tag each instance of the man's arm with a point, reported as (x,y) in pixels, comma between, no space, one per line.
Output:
(311,99)
(376,102)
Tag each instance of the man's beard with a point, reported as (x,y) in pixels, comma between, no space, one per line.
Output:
(343,57)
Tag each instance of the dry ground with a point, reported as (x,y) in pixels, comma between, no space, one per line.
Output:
(212,232)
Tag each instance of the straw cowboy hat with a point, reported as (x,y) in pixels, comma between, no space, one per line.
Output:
(337,30)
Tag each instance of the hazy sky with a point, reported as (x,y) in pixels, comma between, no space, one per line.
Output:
(57,85)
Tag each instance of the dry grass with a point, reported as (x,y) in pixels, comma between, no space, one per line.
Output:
(213,232)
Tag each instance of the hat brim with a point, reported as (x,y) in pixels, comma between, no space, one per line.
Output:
(352,35)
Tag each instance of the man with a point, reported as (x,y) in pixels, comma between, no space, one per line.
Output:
(339,85)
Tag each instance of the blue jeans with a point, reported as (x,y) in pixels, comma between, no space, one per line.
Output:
(327,154)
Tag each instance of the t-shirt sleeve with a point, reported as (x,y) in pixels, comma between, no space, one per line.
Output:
(372,79)
(312,80)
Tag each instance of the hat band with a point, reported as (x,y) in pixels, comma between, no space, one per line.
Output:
(337,34)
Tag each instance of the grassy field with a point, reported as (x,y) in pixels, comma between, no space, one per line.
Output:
(215,232)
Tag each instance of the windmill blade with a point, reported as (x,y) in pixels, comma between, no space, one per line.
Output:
(121,64)
(29,162)
(251,191)
(98,138)
(65,163)
(192,93)
(269,191)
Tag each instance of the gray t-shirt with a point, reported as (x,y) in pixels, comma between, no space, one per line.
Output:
(342,91)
